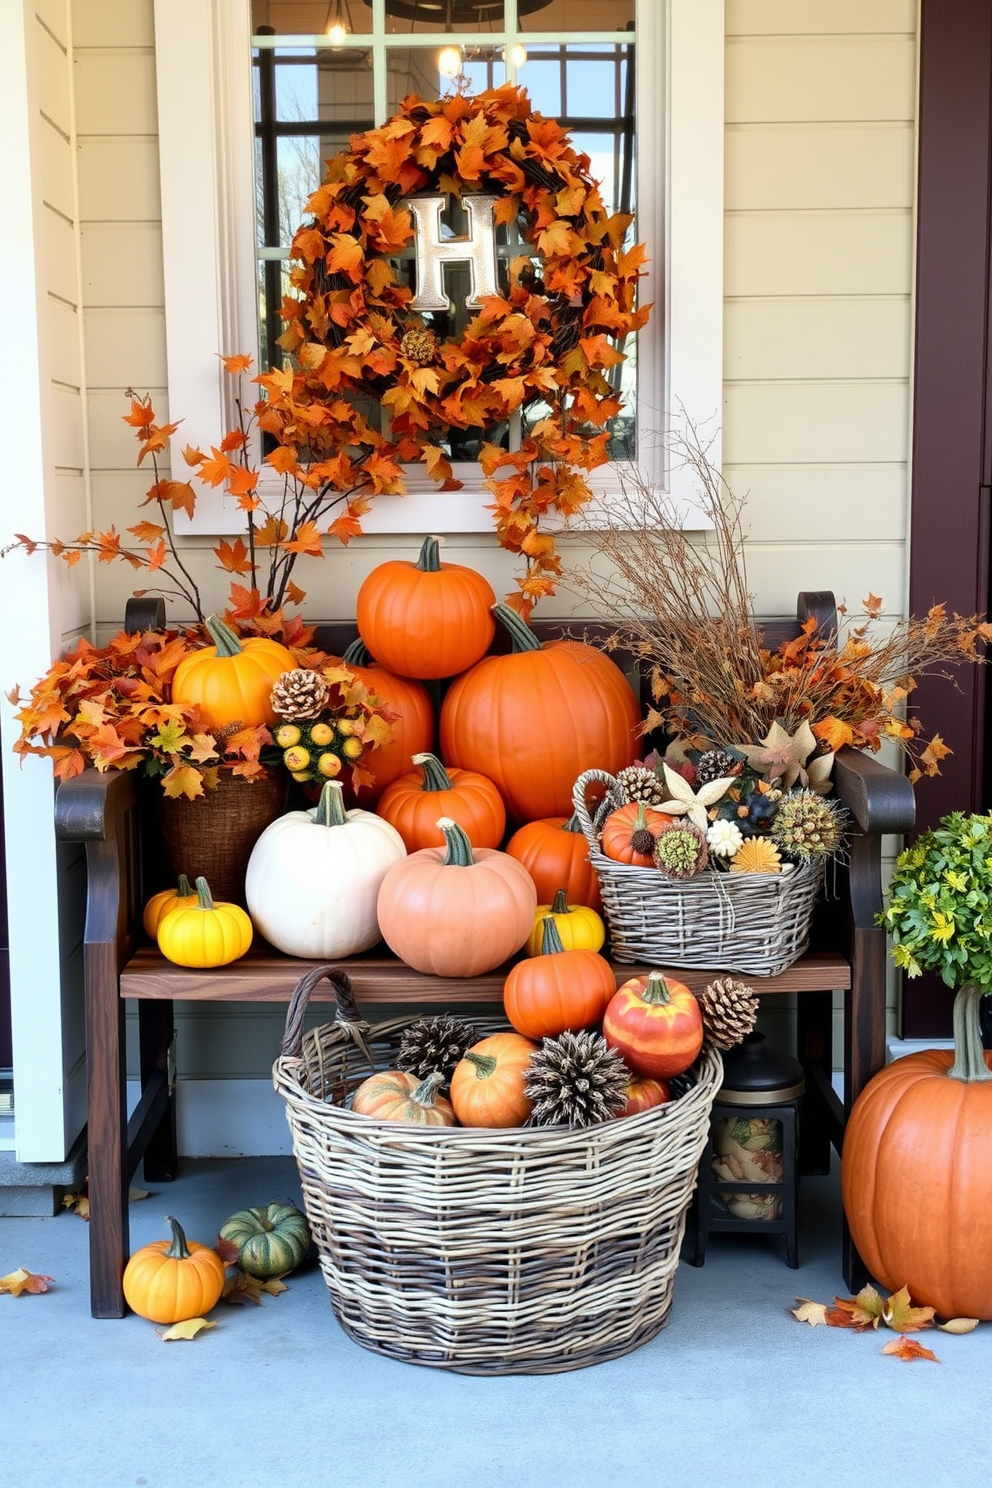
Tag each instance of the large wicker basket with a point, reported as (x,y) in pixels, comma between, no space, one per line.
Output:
(757,923)
(523,1251)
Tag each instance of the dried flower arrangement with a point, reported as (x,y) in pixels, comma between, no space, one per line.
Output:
(686,610)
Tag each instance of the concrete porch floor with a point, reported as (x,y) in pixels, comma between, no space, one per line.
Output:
(733,1391)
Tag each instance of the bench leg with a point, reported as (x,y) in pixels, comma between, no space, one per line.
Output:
(864,1051)
(106,1108)
(156,1027)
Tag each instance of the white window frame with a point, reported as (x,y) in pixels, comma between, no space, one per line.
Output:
(203,65)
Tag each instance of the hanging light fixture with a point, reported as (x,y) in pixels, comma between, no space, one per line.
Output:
(457,15)
(515,55)
(449,61)
(335,26)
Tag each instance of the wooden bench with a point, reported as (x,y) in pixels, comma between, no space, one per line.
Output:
(105,811)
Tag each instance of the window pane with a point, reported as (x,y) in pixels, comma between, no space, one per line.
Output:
(309,17)
(570,16)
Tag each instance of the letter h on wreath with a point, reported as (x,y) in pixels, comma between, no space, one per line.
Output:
(477,249)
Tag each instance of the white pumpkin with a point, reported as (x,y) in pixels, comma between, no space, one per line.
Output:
(313,878)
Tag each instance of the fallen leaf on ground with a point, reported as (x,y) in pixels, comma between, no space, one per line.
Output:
(901,1315)
(227,1250)
(813,1313)
(240,1288)
(16,1282)
(188,1329)
(866,1310)
(78,1203)
(134,1194)
(908,1349)
(959,1325)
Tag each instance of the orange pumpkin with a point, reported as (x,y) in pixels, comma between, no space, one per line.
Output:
(487,1087)
(454,910)
(413,803)
(164,902)
(916,1173)
(535,719)
(170,1281)
(656,1024)
(556,855)
(558,989)
(232,680)
(412,721)
(643,1094)
(630,833)
(396,1095)
(426,619)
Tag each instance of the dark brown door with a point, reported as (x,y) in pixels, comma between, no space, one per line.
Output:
(952,429)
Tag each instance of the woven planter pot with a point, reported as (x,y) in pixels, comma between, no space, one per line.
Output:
(213,836)
(518,1251)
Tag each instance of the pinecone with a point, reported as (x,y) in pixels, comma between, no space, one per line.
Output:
(300,694)
(680,850)
(436,1043)
(714,764)
(635,783)
(574,1080)
(419,345)
(730,1010)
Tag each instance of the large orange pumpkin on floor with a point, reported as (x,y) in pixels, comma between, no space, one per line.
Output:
(916,1173)
(533,720)
(413,803)
(456,910)
(412,721)
(656,1024)
(232,680)
(556,855)
(426,619)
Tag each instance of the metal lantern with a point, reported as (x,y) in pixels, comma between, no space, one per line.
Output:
(749,1172)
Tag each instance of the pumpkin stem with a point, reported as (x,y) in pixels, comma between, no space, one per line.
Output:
(969,1056)
(205,896)
(436,777)
(178,1250)
(485,1064)
(430,555)
(222,636)
(517,629)
(184,888)
(551,942)
(329,810)
(428,1088)
(573,824)
(458,852)
(560,905)
(655,989)
(357,654)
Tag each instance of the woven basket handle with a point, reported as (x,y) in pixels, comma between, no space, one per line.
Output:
(580,792)
(347,1012)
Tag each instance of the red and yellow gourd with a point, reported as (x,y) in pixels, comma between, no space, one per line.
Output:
(270,1240)
(487,1087)
(916,1172)
(414,802)
(206,933)
(232,680)
(170,1281)
(456,910)
(396,1095)
(164,902)
(426,619)
(533,720)
(312,882)
(579,928)
(656,1024)
(555,853)
(630,832)
(559,989)
(412,719)
(643,1094)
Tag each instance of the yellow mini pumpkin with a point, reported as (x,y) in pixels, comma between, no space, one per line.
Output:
(170,1281)
(205,933)
(579,928)
(164,902)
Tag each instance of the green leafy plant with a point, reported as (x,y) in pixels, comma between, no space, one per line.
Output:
(939,910)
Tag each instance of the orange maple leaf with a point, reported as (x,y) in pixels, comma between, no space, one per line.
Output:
(237,364)
(17,1283)
(307,540)
(907,1349)
(233,556)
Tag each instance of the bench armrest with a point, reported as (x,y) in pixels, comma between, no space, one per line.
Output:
(101,810)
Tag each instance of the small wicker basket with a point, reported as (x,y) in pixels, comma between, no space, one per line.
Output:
(521,1251)
(757,923)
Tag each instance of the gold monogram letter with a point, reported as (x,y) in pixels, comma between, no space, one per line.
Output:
(478,250)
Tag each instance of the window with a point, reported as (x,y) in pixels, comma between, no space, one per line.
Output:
(302,92)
